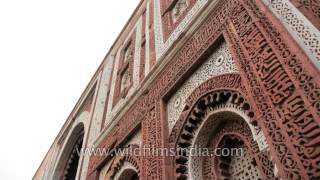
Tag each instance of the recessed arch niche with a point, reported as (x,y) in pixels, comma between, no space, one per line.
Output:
(67,166)
(210,110)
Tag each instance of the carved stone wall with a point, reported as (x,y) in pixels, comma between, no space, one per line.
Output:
(265,51)
(207,111)
(122,167)
(301,29)
(220,62)
(163,44)
(101,102)
(116,165)
(233,134)
(277,79)
(215,117)
(311,9)
(115,103)
(281,92)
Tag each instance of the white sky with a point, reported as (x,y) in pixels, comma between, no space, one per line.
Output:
(49,50)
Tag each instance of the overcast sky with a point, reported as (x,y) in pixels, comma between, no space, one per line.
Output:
(49,50)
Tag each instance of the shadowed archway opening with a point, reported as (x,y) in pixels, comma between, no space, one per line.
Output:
(229,138)
(129,174)
(71,168)
(68,163)
(221,119)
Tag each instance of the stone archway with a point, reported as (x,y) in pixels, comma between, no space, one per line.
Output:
(205,122)
(124,167)
(212,108)
(225,128)
(71,167)
(230,140)
(67,166)
(128,174)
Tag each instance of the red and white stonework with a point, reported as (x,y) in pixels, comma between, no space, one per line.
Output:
(201,73)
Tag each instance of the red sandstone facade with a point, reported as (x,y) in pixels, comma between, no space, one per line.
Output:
(269,104)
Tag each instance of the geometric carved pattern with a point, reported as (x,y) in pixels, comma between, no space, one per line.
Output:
(173,30)
(152,135)
(266,165)
(232,134)
(311,9)
(215,117)
(242,167)
(195,116)
(277,80)
(125,72)
(220,62)
(300,124)
(306,35)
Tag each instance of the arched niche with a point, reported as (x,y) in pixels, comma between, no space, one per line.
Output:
(69,159)
(124,167)
(129,173)
(206,115)
(225,129)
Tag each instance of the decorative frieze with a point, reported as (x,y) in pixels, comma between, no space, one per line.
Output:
(301,29)
(161,45)
(220,62)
